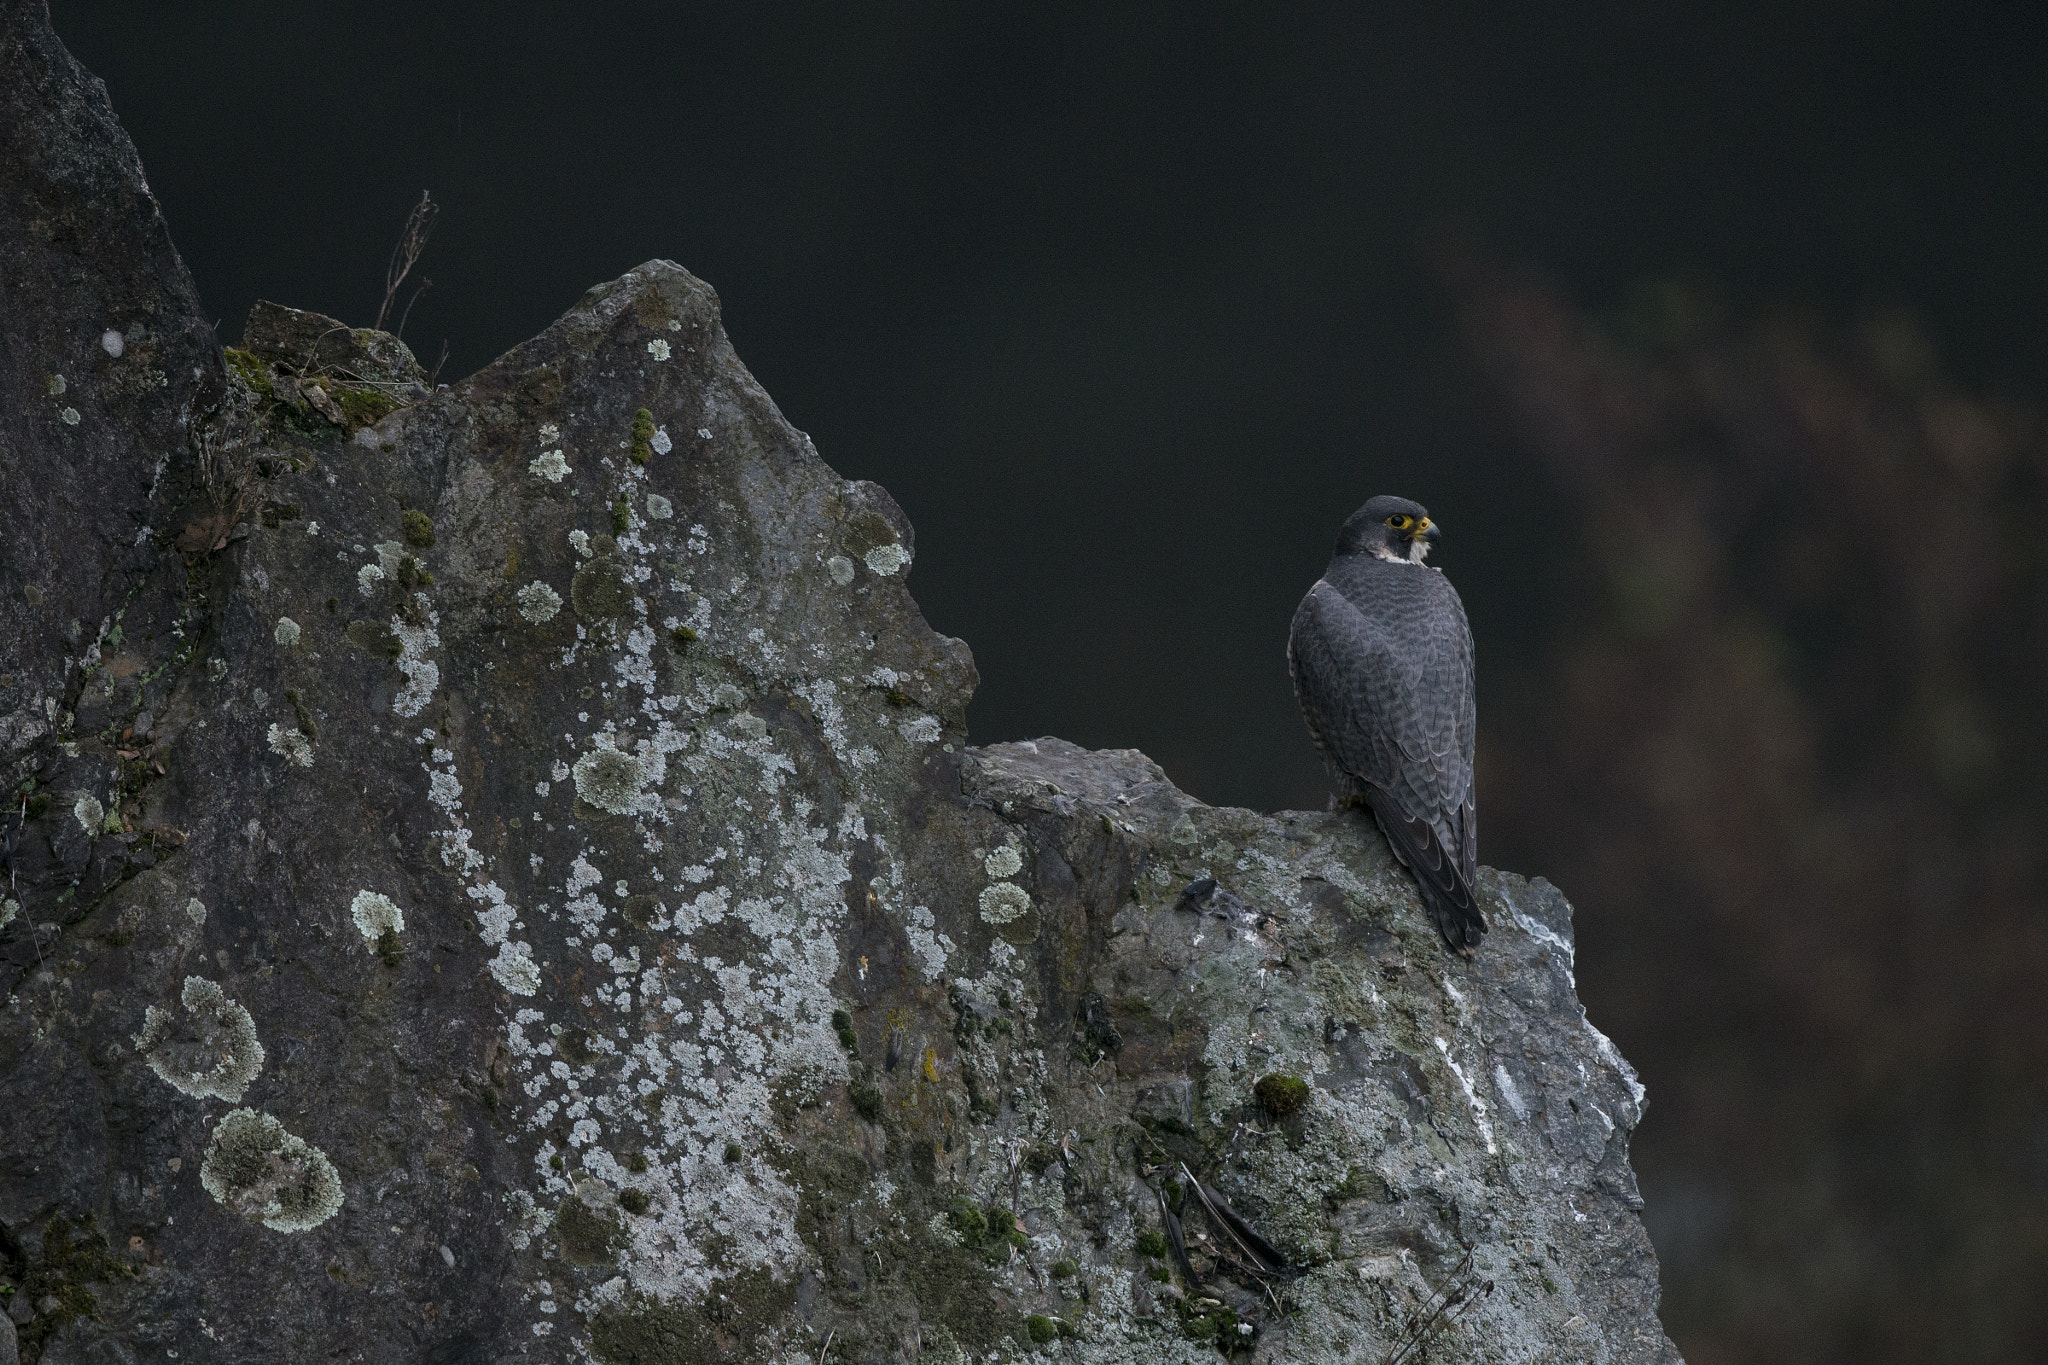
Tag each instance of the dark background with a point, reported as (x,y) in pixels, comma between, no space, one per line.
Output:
(1712,334)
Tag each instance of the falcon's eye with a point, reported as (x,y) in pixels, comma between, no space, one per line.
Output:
(1398,522)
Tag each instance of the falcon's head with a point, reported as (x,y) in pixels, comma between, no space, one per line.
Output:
(1391,528)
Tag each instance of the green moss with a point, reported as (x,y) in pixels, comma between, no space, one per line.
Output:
(1065,1268)
(643,436)
(682,635)
(73,1256)
(622,515)
(735,1322)
(968,1220)
(1041,1329)
(37,805)
(419,528)
(555,1163)
(599,591)
(733,1153)
(1039,1156)
(633,1201)
(842,1024)
(389,948)
(333,605)
(372,637)
(637,1163)
(362,407)
(250,370)
(867,1101)
(1281,1095)
(1151,1242)
(586,1237)
(306,725)
(1159,1274)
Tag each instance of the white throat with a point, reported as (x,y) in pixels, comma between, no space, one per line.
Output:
(1416,550)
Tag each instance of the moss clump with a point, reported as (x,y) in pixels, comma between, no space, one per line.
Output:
(388,947)
(1065,1268)
(1281,1095)
(599,591)
(363,407)
(633,1201)
(419,528)
(867,1101)
(1040,1156)
(637,1163)
(733,1322)
(643,436)
(305,715)
(250,371)
(37,804)
(622,515)
(968,1220)
(1151,1242)
(73,1256)
(842,1024)
(372,637)
(682,635)
(733,1153)
(1041,1329)
(585,1237)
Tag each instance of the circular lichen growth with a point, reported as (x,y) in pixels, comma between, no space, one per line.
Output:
(1005,901)
(538,602)
(1004,862)
(1281,1095)
(599,591)
(260,1171)
(207,1049)
(376,915)
(613,780)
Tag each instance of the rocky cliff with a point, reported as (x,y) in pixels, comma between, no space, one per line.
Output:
(499,873)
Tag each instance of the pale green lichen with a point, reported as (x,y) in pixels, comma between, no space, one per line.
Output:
(549,465)
(613,780)
(841,569)
(89,813)
(287,632)
(1005,901)
(375,915)
(291,745)
(659,508)
(195,911)
(262,1172)
(886,559)
(1004,862)
(515,970)
(538,602)
(208,1049)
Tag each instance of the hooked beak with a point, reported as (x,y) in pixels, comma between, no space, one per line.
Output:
(1427,530)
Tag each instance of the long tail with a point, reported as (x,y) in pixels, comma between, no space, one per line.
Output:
(1442,882)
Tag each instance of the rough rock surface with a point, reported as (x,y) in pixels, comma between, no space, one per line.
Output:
(500,875)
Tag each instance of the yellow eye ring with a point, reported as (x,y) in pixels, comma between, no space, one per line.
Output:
(1398,522)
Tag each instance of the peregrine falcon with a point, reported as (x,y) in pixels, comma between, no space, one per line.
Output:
(1382,665)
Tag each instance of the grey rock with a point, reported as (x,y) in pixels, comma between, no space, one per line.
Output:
(313,343)
(10,1342)
(666,979)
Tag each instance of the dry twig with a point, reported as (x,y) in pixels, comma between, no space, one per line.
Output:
(411,242)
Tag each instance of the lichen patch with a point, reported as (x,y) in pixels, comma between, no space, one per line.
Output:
(538,602)
(206,1049)
(375,914)
(1003,902)
(255,1168)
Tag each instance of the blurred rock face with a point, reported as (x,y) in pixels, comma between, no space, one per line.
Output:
(499,873)
(1789,747)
